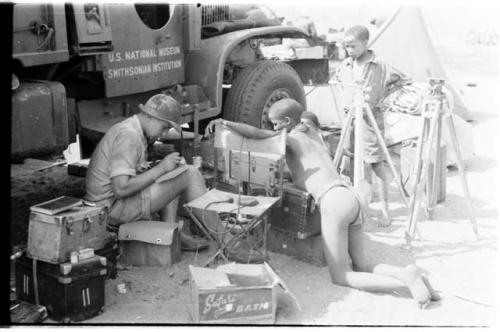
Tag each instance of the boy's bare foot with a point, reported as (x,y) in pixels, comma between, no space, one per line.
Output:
(417,287)
(434,295)
(385,220)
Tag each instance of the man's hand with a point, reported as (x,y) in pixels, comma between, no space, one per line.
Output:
(170,162)
(209,129)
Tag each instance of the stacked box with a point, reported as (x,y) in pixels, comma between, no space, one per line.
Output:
(297,216)
(52,238)
(70,292)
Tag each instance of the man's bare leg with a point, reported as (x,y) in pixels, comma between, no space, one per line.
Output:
(169,212)
(383,178)
(165,197)
(190,185)
(339,208)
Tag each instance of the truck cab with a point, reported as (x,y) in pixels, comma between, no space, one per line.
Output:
(83,67)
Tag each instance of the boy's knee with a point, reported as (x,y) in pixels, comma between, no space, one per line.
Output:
(339,278)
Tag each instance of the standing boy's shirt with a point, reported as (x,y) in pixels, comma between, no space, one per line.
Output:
(381,79)
(379,76)
(122,151)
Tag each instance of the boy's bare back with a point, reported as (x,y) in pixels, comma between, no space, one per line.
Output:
(312,169)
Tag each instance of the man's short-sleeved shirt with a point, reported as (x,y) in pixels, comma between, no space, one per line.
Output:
(379,76)
(122,151)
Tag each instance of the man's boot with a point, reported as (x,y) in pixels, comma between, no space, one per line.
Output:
(189,241)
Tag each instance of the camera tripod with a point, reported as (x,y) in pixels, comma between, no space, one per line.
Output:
(428,143)
(356,113)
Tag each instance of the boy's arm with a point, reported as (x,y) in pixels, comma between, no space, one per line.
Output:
(241,128)
(395,80)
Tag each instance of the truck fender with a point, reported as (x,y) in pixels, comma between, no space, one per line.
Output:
(205,67)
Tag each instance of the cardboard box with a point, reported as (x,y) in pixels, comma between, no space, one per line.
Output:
(234,293)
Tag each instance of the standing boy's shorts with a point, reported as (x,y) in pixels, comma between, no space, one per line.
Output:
(373,153)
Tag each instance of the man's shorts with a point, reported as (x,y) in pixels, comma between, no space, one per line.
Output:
(132,208)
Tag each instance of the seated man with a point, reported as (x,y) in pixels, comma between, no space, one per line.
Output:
(340,206)
(118,175)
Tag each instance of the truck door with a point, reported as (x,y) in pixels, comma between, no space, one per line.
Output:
(92,28)
(148,50)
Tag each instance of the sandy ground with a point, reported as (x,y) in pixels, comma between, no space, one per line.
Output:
(460,267)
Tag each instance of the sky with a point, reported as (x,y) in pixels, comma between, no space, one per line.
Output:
(449,23)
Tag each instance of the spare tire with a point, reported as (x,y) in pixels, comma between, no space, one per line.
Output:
(257,87)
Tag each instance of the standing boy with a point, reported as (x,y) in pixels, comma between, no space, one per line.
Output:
(381,80)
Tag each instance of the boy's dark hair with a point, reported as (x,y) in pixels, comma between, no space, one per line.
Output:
(310,116)
(360,32)
(288,107)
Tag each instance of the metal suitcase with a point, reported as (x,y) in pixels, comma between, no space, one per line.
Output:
(70,292)
(297,216)
(110,251)
(52,238)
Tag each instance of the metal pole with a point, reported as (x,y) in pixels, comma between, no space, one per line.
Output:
(417,171)
(461,170)
(381,142)
(427,157)
(343,137)
(358,146)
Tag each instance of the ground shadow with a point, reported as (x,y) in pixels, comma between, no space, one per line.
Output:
(446,249)
(478,117)
(474,164)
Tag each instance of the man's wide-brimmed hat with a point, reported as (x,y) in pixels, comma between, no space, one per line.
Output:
(163,108)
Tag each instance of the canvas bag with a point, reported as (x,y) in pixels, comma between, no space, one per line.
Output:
(150,243)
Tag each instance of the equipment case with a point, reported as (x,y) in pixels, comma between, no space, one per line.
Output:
(52,238)
(70,292)
(298,216)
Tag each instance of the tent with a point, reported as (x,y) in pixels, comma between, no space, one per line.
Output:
(404,41)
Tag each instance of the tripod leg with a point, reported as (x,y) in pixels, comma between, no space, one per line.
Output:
(461,170)
(343,138)
(432,185)
(417,171)
(358,146)
(381,141)
(425,169)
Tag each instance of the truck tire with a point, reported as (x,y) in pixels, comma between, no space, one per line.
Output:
(257,87)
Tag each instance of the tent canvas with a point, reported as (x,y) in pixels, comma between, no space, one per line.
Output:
(405,42)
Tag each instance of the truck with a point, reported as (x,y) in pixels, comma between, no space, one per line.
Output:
(79,68)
